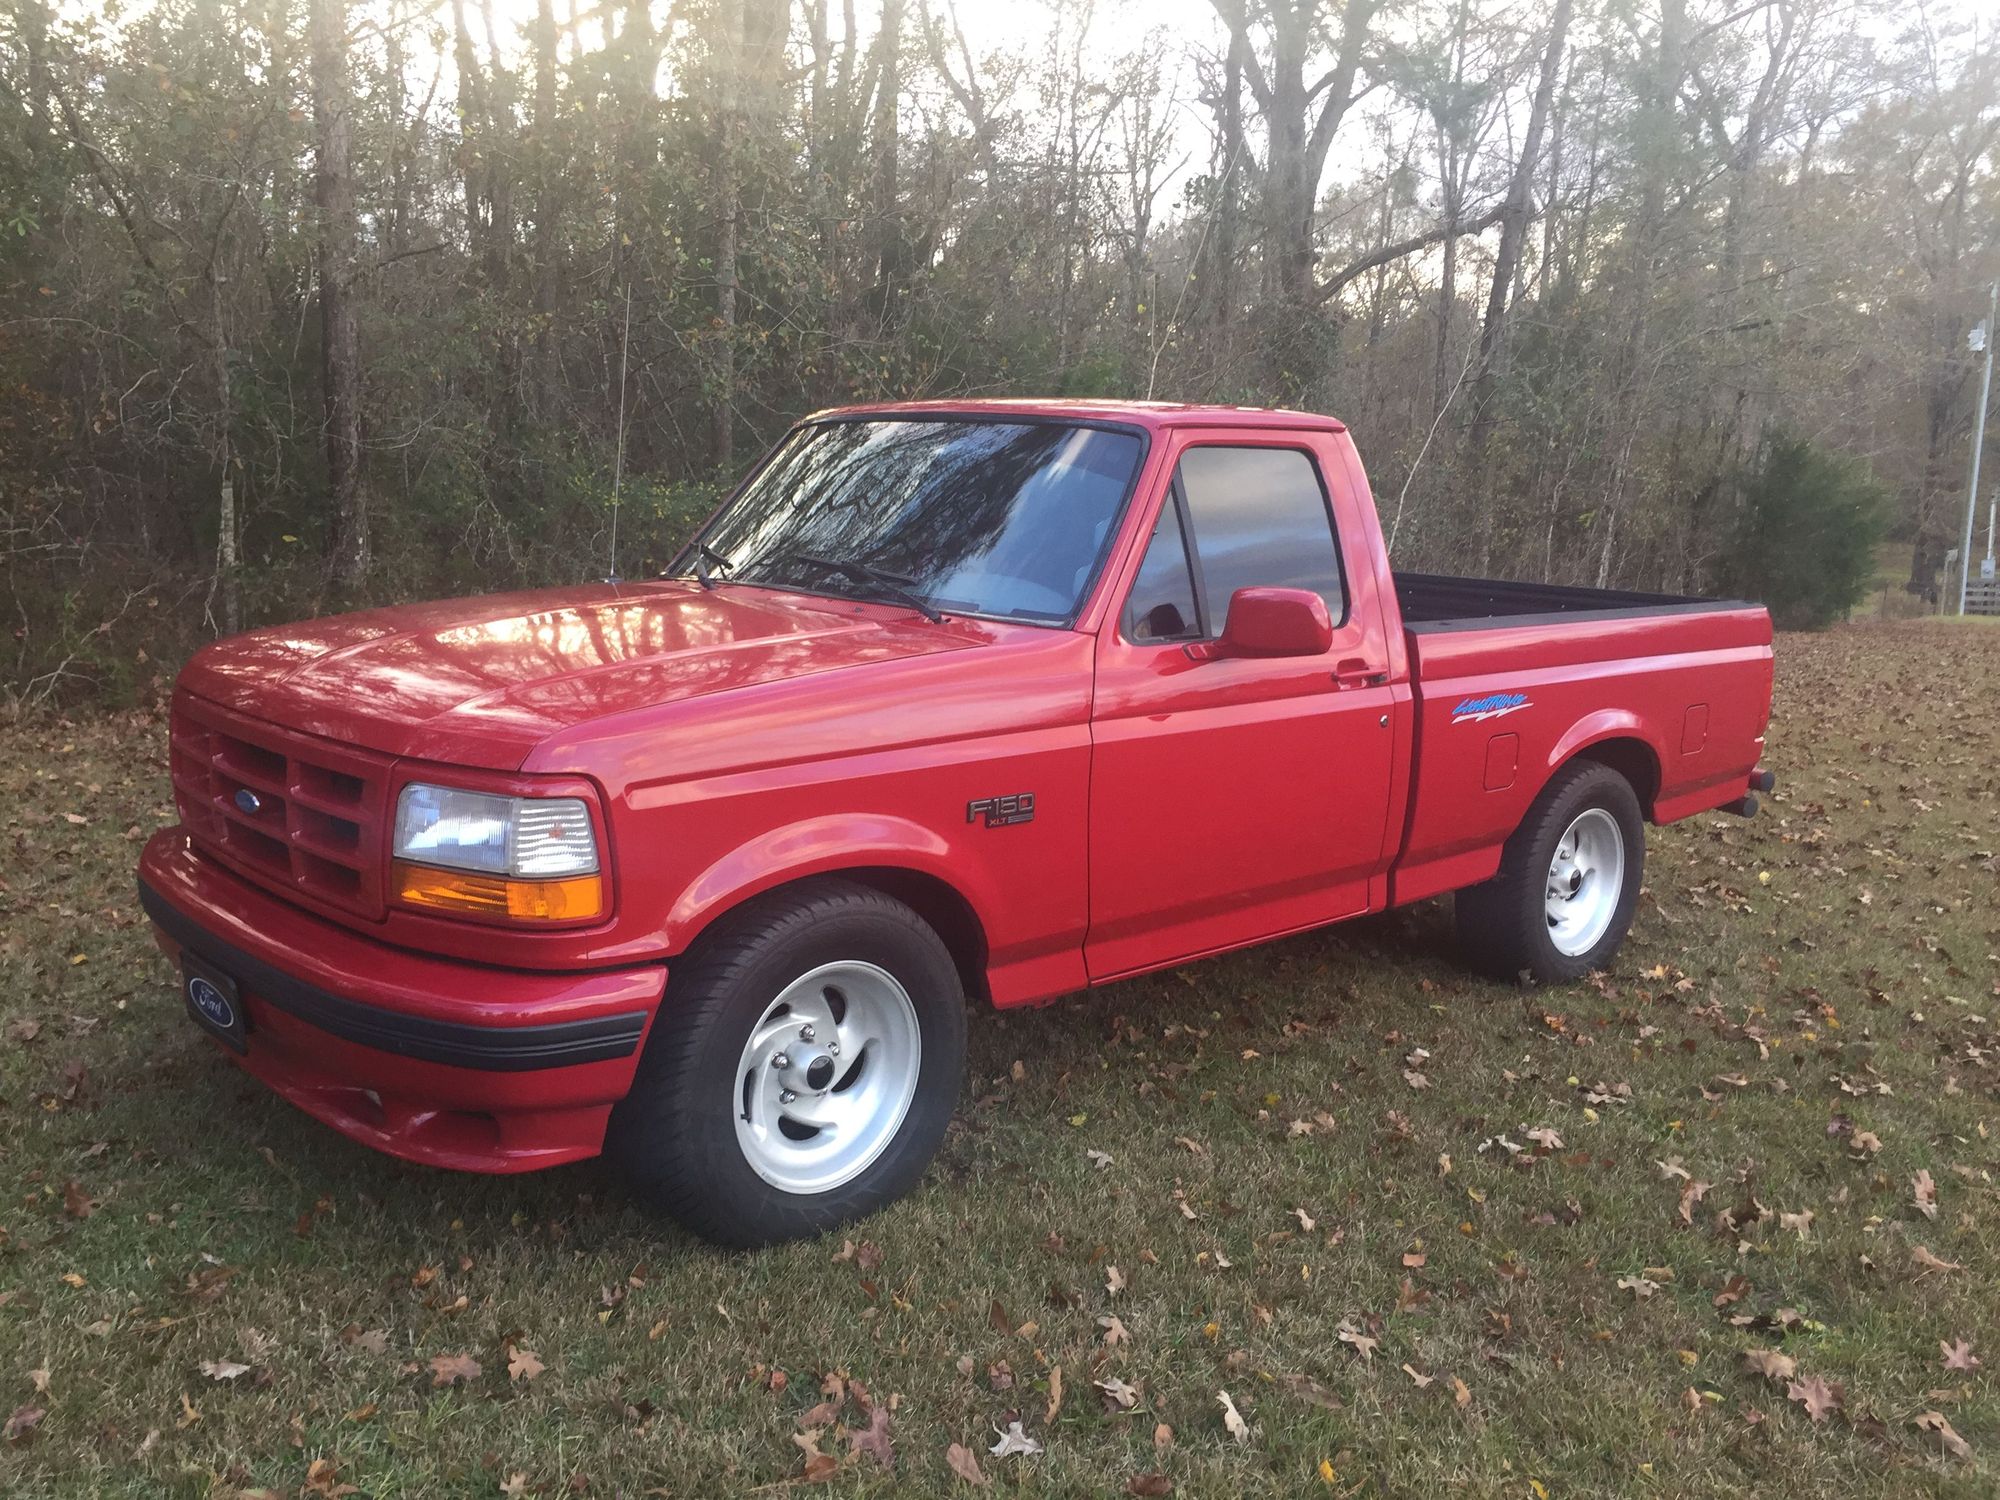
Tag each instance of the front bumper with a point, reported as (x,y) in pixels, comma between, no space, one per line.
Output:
(434,1060)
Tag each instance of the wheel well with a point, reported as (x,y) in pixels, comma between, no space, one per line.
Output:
(1632,759)
(949,914)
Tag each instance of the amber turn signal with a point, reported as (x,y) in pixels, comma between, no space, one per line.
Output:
(569,900)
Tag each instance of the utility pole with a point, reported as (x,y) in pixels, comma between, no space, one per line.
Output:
(1978,441)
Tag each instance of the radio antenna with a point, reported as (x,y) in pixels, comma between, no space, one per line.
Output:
(618,463)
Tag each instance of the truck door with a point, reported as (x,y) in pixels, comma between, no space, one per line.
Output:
(1233,800)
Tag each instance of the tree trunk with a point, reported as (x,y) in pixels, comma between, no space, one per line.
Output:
(729,205)
(340,344)
(1222,276)
(548,207)
(890,249)
(1492,356)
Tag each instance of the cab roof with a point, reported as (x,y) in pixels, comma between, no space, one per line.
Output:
(1153,415)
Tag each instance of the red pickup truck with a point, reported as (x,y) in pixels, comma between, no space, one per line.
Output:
(996,699)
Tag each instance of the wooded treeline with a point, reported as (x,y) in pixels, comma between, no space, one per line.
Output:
(305,302)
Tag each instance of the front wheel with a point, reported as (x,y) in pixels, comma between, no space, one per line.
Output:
(1568,881)
(802,1070)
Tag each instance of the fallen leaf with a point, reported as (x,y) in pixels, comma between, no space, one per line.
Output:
(873,1439)
(1770,1364)
(522,1364)
(1419,1380)
(1356,1340)
(1014,1441)
(1459,1393)
(1114,1281)
(21,1425)
(1819,1399)
(1927,1262)
(450,1369)
(1055,1394)
(819,1466)
(1638,1286)
(1957,1356)
(1923,1193)
(1934,1421)
(1149,1486)
(1118,1396)
(223,1369)
(1232,1419)
(964,1465)
(76,1202)
(1114,1329)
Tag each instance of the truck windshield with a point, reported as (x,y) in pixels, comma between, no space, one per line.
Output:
(1004,519)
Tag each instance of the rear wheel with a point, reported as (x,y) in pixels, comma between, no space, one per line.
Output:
(802,1069)
(1562,900)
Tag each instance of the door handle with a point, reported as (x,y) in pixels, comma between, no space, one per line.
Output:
(1357,672)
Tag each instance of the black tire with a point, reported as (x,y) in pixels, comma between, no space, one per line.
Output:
(675,1135)
(1503,925)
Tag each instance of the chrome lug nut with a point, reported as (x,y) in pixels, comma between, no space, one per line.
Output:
(806,1032)
(833,1049)
(781,1062)
(786,1096)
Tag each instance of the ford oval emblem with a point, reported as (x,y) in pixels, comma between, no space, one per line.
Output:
(211,1002)
(248,802)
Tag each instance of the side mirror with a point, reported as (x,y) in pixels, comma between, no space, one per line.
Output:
(1270,622)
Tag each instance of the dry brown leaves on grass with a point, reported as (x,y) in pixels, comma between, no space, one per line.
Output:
(454,1369)
(958,1458)
(1935,1424)
(1958,1355)
(1818,1398)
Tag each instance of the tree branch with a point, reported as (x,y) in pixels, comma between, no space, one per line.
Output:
(1436,235)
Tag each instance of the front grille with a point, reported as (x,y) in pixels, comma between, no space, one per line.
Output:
(311,823)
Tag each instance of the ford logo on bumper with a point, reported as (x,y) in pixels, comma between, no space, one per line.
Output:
(211,1002)
(249,803)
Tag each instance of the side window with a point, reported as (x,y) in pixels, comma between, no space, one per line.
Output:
(1260,520)
(1162,605)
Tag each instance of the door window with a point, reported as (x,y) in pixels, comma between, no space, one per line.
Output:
(1162,606)
(1259,519)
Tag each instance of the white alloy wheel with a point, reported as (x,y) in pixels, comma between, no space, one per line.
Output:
(1586,878)
(827,1076)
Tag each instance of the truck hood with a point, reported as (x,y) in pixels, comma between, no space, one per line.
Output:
(480,682)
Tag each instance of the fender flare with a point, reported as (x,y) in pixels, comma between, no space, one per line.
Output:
(1595,728)
(824,845)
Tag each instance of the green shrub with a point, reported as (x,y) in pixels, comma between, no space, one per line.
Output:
(1805,536)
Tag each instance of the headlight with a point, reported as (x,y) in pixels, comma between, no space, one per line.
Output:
(520,858)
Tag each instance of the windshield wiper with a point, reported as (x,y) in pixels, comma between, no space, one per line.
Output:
(703,556)
(894,585)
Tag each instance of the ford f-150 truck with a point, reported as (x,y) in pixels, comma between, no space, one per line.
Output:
(986,699)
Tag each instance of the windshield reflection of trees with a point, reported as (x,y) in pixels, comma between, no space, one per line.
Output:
(928,501)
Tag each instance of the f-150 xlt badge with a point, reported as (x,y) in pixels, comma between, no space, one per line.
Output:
(1000,811)
(1492,706)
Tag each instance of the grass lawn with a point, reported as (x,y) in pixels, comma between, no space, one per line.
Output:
(1430,1235)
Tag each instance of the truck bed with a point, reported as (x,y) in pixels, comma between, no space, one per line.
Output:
(1510,680)
(1438,601)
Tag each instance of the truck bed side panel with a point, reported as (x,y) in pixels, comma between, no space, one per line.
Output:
(1499,708)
